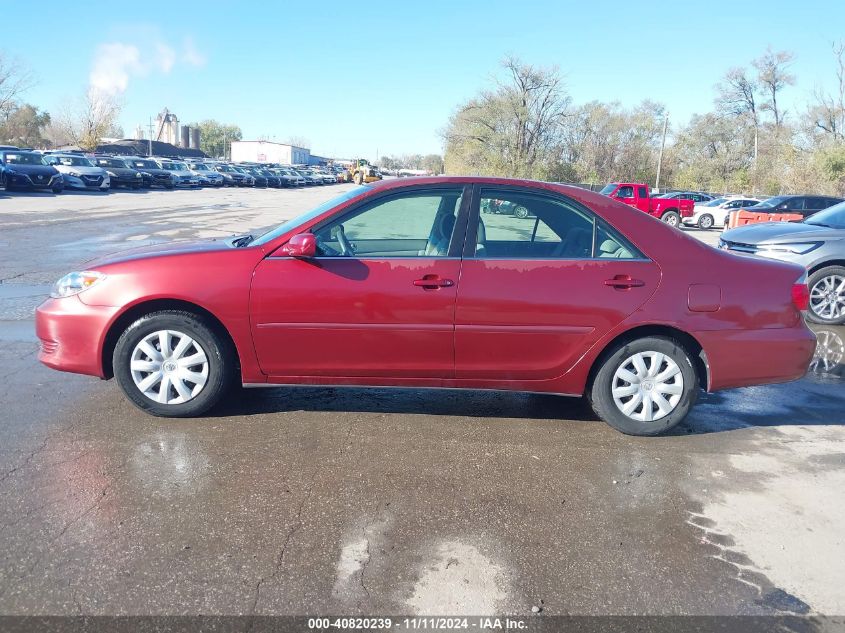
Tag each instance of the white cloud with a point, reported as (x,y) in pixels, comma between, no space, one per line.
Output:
(190,53)
(116,63)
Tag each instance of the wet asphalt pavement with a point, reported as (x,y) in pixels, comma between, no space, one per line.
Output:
(316,500)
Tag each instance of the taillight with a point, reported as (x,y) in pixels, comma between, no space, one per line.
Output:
(801,293)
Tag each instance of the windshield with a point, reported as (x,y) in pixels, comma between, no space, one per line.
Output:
(24,158)
(111,162)
(715,202)
(833,217)
(360,190)
(74,161)
(148,164)
(200,167)
(608,189)
(180,166)
(772,202)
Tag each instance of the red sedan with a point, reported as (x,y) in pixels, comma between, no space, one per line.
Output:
(404,283)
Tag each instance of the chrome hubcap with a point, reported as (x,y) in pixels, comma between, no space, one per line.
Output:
(647,386)
(827,297)
(672,220)
(169,367)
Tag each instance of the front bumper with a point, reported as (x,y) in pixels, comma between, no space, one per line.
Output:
(87,183)
(22,181)
(72,334)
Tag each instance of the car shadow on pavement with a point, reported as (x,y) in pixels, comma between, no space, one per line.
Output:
(447,402)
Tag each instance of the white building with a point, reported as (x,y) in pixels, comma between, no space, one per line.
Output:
(268,152)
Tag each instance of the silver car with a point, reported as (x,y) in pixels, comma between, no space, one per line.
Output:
(184,176)
(78,172)
(817,244)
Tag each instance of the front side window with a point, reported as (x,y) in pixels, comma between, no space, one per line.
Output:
(625,192)
(517,225)
(413,224)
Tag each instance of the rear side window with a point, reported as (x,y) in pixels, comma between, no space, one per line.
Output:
(642,192)
(516,225)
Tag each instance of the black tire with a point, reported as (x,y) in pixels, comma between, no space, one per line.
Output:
(671,218)
(600,395)
(220,357)
(358,178)
(819,278)
(705,222)
(58,190)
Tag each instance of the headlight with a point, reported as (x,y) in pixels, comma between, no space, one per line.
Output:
(75,174)
(112,174)
(137,174)
(798,248)
(74,283)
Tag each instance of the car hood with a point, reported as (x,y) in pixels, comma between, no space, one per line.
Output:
(183,173)
(121,171)
(81,169)
(180,247)
(32,170)
(776,232)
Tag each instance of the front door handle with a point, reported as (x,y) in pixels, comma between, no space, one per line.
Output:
(433,282)
(623,282)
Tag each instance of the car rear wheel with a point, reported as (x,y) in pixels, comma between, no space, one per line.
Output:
(671,218)
(173,364)
(645,387)
(705,222)
(521,212)
(827,296)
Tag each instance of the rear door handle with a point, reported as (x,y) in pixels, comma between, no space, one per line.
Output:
(432,282)
(623,282)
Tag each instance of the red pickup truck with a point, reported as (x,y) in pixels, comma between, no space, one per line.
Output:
(636,194)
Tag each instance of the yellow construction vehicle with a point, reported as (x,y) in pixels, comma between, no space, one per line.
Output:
(360,171)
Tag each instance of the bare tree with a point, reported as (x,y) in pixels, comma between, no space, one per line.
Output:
(86,122)
(773,75)
(15,79)
(510,129)
(828,112)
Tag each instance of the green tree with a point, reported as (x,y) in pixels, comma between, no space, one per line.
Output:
(24,126)
(433,163)
(216,137)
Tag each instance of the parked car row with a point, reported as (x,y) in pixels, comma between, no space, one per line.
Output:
(31,170)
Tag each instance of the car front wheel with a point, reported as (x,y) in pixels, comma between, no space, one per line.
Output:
(827,295)
(705,222)
(645,387)
(173,364)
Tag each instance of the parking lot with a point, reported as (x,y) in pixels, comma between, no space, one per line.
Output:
(324,500)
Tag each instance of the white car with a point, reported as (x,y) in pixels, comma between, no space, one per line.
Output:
(714,214)
(78,172)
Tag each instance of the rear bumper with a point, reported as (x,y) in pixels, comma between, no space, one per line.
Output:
(71,335)
(742,358)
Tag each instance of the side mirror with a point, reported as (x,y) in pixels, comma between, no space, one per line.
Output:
(301,245)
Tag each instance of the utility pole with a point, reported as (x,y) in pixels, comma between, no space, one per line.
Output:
(150,152)
(660,157)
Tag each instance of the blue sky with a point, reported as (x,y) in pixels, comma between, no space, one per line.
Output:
(365,77)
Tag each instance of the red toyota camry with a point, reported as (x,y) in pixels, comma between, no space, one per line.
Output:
(407,283)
